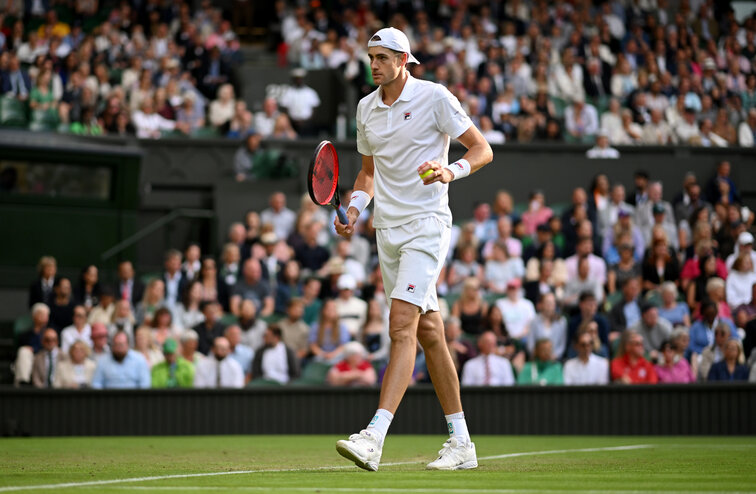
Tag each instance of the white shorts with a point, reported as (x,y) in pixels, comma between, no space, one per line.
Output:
(411,258)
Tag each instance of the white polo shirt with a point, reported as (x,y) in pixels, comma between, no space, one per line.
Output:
(417,128)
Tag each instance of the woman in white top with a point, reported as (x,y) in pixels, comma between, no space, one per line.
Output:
(740,281)
(222,109)
(77,371)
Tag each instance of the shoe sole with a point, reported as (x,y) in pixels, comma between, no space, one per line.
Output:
(468,465)
(342,448)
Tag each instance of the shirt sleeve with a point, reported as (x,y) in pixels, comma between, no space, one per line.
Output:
(363,146)
(99,376)
(450,117)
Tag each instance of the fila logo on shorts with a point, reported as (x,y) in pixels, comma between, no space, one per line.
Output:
(407,115)
(411,288)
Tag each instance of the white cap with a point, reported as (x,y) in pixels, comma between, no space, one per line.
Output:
(393,39)
(745,238)
(354,348)
(346,282)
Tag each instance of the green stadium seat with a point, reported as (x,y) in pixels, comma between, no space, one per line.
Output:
(611,300)
(12,112)
(313,374)
(263,383)
(147,277)
(172,134)
(206,133)
(43,120)
(228,319)
(20,325)
(559,106)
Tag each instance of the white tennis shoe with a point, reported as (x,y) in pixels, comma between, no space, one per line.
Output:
(363,449)
(455,456)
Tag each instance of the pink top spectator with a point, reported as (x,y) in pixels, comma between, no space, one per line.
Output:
(678,373)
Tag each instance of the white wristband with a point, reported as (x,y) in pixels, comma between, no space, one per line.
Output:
(360,200)
(460,168)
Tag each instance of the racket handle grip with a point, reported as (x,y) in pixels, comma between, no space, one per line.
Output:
(342,215)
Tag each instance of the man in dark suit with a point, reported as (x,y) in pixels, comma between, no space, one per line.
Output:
(211,328)
(128,287)
(216,72)
(597,79)
(174,279)
(588,311)
(42,289)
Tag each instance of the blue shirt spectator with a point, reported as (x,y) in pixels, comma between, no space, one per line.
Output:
(123,368)
(702,331)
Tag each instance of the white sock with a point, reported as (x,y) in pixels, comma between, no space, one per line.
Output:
(380,424)
(458,427)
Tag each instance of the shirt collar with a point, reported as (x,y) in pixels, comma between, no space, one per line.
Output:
(408,91)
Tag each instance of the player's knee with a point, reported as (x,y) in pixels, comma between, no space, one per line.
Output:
(429,334)
(402,335)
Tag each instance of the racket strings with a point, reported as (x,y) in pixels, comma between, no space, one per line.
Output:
(324,178)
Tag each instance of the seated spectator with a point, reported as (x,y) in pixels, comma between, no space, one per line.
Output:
(328,335)
(100,346)
(460,349)
(470,308)
(544,284)
(311,255)
(211,328)
(629,132)
(464,267)
(265,120)
(653,329)
(188,313)
(145,344)
(123,369)
(283,129)
(500,268)
(295,332)
(626,312)
(625,268)
(747,130)
(543,369)
(289,286)
(213,286)
(623,231)
(588,312)
(672,368)
(557,276)
(87,292)
(153,299)
(550,325)
(702,331)
(715,352)
(659,266)
(15,81)
(77,371)
(583,282)
(740,281)
(188,119)
(744,246)
(581,119)
(80,330)
(189,342)
(222,109)
(239,351)
(162,327)
(587,367)
(686,130)
(518,312)
(730,367)
(62,307)
(672,310)
(602,149)
(252,326)
(42,288)
(715,291)
(175,371)
(629,367)
(351,309)
(536,214)
(45,361)
(149,125)
(103,311)
(596,265)
(487,369)
(219,370)
(122,320)
(354,370)
(251,286)
(375,332)
(274,361)
(657,132)
(241,124)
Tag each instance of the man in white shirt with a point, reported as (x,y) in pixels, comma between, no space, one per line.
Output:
(239,351)
(745,244)
(581,119)
(274,361)
(265,120)
(587,367)
(80,330)
(596,264)
(278,215)
(403,133)
(300,101)
(352,310)
(149,124)
(219,370)
(602,149)
(518,312)
(487,369)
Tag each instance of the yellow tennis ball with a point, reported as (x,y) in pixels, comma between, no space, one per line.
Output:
(427,173)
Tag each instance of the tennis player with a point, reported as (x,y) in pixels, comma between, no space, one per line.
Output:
(403,132)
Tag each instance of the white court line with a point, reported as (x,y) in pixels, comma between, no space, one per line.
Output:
(419,490)
(282,470)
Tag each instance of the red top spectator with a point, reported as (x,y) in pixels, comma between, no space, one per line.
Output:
(630,367)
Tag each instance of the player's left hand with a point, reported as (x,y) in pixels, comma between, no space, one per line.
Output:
(438,173)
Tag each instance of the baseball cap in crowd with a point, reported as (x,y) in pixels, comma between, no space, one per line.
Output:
(354,348)
(170,346)
(659,208)
(514,283)
(745,238)
(393,39)
(346,282)
(647,306)
(623,213)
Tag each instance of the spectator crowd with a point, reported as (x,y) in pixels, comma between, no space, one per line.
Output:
(651,72)
(621,285)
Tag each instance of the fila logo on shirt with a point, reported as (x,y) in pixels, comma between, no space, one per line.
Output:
(411,288)
(407,115)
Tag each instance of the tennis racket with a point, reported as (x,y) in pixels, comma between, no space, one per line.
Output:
(323,179)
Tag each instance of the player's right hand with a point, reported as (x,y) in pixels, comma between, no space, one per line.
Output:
(346,231)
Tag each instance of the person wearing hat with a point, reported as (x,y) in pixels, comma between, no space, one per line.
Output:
(354,370)
(744,245)
(300,102)
(403,134)
(602,149)
(175,371)
(654,329)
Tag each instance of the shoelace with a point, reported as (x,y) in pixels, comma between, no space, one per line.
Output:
(447,447)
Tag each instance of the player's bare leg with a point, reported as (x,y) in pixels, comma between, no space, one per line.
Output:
(365,448)
(458,453)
